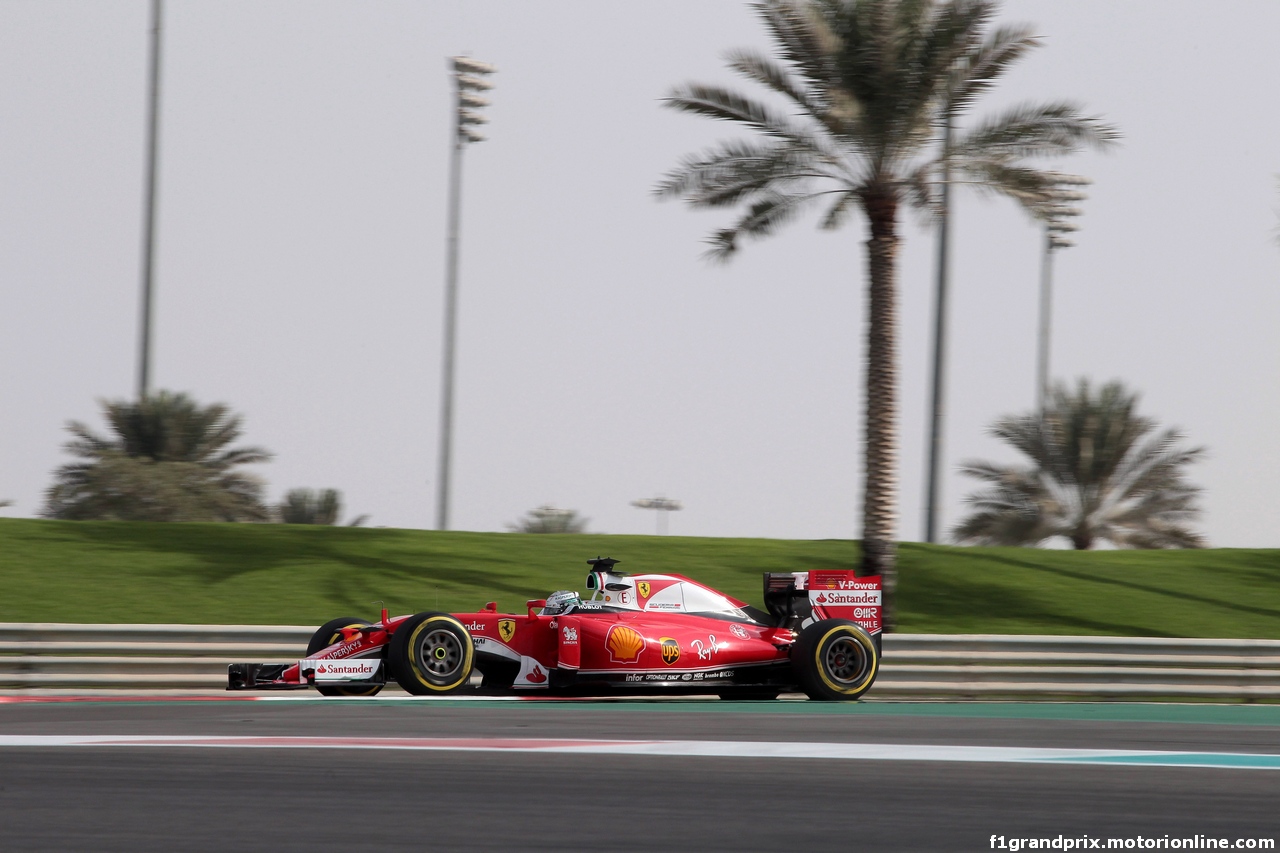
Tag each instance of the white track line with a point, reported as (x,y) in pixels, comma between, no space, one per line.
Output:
(679,748)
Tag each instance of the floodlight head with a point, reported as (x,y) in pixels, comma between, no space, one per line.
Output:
(466,134)
(470,99)
(469,117)
(474,83)
(666,504)
(467,65)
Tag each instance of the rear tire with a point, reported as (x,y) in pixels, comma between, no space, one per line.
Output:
(324,637)
(835,659)
(432,654)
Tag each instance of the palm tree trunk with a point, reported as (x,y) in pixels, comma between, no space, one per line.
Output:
(880,498)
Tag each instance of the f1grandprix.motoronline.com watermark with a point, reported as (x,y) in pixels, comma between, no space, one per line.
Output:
(1137,842)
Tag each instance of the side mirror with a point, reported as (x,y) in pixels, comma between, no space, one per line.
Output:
(534,605)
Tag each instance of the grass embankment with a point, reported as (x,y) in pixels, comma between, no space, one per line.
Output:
(277,574)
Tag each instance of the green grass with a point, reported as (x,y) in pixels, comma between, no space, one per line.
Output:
(277,574)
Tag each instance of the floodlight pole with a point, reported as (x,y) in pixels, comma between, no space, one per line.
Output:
(450,335)
(1046,308)
(1057,227)
(149,206)
(937,394)
(466,84)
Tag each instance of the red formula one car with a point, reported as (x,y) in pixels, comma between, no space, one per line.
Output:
(819,633)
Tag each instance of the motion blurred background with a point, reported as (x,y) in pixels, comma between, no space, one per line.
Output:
(300,265)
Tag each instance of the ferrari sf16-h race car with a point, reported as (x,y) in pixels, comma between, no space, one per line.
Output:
(819,633)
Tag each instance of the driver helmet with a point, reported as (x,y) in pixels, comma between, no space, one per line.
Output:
(561,601)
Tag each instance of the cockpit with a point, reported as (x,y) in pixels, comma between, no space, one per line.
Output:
(652,593)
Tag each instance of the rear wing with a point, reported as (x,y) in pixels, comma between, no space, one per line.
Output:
(825,594)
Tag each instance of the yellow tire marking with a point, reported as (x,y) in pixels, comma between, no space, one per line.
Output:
(413,658)
(871,653)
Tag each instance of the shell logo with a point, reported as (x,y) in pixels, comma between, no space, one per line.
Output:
(624,644)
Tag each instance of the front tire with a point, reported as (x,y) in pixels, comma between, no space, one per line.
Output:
(835,659)
(432,654)
(324,637)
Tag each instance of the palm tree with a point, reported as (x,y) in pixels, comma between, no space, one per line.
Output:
(307,506)
(550,519)
(868,86)
(1098,472)
(170,459)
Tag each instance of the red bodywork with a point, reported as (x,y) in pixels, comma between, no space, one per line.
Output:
(639,630)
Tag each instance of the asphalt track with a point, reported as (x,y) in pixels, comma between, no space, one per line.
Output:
(676,775)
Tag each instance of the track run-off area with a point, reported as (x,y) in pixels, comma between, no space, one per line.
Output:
(298,772)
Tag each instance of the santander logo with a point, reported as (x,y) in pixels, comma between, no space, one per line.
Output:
(847,599)
(537,676)
(341,670)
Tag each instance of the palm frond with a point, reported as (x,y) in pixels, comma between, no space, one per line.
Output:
(981,67)
(1031,188)
(1038,130)
(987,471)
(771,75)
(737,169)
(935,39)
(1014,511)
(838,213)
(1156,465)
(717,103)
(762,218)
(804,37)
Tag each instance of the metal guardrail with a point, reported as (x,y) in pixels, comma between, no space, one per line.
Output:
(977,666)
(186,657)
(983,666)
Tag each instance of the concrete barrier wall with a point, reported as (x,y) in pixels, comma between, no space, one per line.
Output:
(977,666)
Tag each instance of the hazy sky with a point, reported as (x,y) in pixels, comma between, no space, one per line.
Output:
(303,169)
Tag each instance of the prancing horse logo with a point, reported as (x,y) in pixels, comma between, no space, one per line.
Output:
(506,629)
(643,587)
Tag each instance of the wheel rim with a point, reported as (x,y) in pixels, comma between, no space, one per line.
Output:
(441,654)
(846,660)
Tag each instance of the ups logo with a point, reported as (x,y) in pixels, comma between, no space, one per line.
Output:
(506,629)
(670,650)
